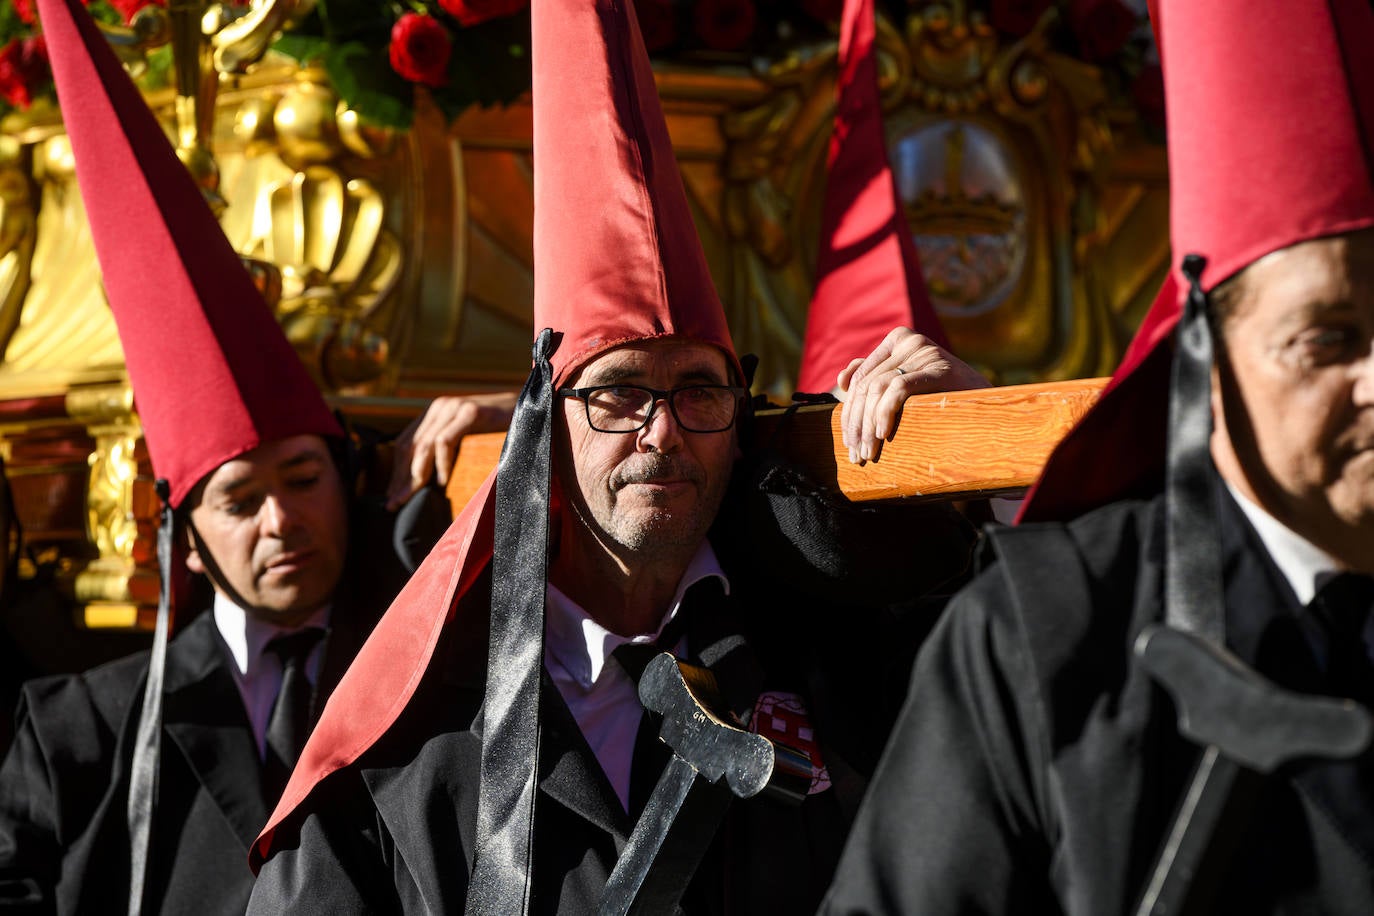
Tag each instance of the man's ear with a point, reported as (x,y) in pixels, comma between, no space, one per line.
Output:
(193,561)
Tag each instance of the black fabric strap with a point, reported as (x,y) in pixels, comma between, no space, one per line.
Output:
(1192,596)
(148,737)
(510,719)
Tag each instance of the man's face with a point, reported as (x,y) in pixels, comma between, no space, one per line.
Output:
(657,489)
(275,524)
(1298,424)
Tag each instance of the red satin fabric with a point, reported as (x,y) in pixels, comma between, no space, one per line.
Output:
(617,260)
(1270,125)
(868,273)
(617,256)
(1271,131)
(213,374)
(1117,450)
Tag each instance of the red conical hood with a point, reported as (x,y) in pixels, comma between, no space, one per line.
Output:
(868,274)
(1117,450)
(616,254)
(213,374)
(1271,128)
(616,260)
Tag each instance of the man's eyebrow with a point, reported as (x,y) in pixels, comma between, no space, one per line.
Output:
(309,456)
(634,375)
(699,375)
(616,375)
(302,459)
(236,484)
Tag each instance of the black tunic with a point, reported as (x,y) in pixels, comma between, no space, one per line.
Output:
(394,832)
(1036,767)
(64,784)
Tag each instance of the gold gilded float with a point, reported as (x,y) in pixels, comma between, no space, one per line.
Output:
(400,263)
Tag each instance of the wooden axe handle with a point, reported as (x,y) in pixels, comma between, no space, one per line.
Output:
(954,445)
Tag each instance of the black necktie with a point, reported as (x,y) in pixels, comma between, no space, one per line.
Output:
(289,724)
(1343,606)
(651,755)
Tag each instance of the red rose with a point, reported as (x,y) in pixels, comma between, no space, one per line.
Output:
(25,10)
(420,48)
(1101,26)
(725,25)
(475,12)
(1016,17)
(129,8)
(657,23)
(23,66)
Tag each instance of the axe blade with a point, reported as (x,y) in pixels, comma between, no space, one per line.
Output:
(714,760)
(1248,727)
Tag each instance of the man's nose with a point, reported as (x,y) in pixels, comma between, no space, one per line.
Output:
(661,433)
(277,518)
(1364,379)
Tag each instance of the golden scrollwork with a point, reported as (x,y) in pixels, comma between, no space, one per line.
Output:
(324,229)
(150,28)
(17,236)
(107,413)
(240,37)
(1005,158)
(109,514)
(121,511)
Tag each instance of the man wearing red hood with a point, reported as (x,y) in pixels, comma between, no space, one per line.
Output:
(140,784)
(487,750)
(1037,766)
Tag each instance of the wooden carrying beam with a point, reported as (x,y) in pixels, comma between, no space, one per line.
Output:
(956,445)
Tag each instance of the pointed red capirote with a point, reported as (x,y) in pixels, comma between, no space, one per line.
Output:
(213,374)
(868,273)
(1271,134)
(616,260)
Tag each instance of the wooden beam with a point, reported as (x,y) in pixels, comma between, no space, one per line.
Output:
(956,445)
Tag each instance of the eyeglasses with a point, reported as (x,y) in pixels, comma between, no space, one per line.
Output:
(629,408)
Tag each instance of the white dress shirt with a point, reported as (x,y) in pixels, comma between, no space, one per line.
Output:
(1305,565)
(257,673)
(600,693)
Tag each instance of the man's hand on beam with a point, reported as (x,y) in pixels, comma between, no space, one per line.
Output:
(428,447)
(875,388)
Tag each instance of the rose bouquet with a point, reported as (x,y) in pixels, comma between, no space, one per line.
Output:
(466,52)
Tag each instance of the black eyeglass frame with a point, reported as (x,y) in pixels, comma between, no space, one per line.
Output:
(666,396)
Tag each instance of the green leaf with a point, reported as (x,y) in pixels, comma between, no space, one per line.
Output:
(11,26)
(490,64)
(304,48)
(357,21)
(103,12)
(365,81)
(159,73)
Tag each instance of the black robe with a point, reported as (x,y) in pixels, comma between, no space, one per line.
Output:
(64,784)
(394,832)
(1036,766)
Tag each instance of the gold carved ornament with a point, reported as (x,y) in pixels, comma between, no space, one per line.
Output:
(1005,157)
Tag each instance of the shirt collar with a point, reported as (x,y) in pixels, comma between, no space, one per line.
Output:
(1305,565)
(247,636)
(581,646)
